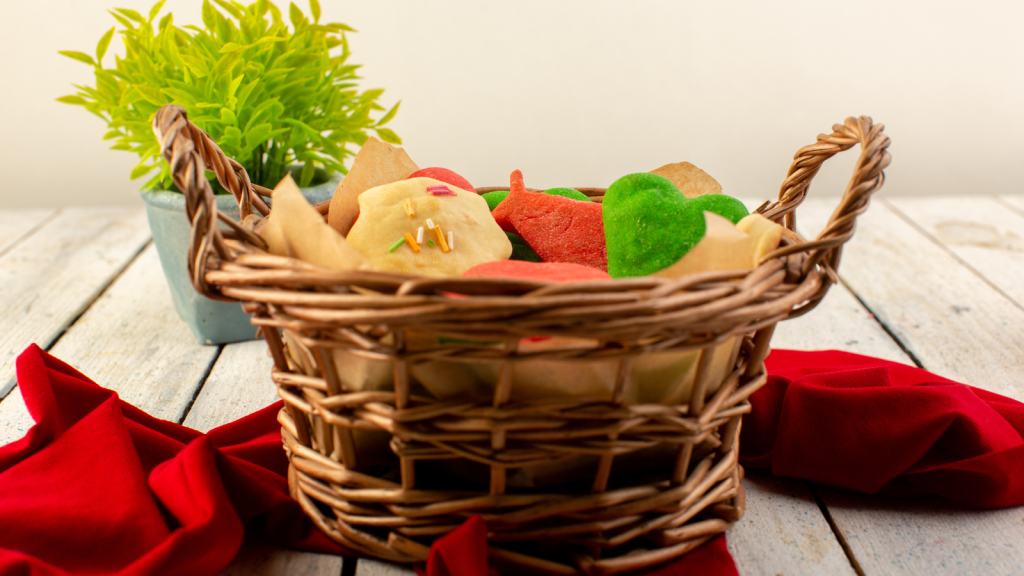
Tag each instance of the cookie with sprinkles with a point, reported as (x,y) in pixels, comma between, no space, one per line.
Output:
(426,226)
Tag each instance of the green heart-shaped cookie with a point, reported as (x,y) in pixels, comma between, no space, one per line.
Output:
(649,224)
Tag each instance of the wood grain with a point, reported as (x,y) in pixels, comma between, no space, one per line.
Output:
(892,536)
(980,231)
(951,320)
(368,567)
(839,322)
(52,276)
(15,420)
(133,342)
(239,384)
(1015,201)
(16,225)
(783,531)
(265,560)
(960,327)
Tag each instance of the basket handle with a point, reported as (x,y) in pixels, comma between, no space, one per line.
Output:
(190,151)
(868,177)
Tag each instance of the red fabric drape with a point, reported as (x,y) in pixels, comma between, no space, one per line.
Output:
(99,487)
(876,426)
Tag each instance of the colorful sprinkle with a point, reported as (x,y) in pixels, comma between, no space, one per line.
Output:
(441,191)
(419,235)
(409,208)
(451,241)
(430,224)
(396,245)
(438,187)
(412,243)
(430,242)
(440,239)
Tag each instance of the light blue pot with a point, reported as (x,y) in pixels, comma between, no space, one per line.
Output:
(211,321)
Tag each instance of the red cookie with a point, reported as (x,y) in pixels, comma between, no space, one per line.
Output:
(444,175)
(557,229)
(549,271)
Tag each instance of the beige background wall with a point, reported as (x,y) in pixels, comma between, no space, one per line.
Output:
(581,92)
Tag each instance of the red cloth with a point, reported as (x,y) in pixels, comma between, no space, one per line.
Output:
(100,487)
(876,426)
(97,486)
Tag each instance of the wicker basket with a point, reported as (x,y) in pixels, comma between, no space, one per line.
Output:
(621,517)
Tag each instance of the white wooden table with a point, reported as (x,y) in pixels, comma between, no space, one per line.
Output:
(938,282)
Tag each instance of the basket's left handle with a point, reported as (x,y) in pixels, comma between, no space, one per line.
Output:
(190,151)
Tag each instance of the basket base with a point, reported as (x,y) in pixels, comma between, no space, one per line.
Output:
(611,546)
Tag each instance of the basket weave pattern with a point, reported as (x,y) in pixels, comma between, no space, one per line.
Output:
(617,520)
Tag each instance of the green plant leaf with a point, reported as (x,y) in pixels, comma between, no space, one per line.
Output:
(225,63)
(390,114)
(72,100)
(131,15)
(124,21)
(388,136)
(230,9)
(112,134)
(296,16)
(308,171)
(156,9)
(101,47)
(140,170)
(314,9)
(80,56)
(341,28)
(165,22)
(230,47)
(152,95)
(209,16)
(268,40)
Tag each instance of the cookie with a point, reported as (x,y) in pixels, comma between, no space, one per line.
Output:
(556,228)
(649,225)
(424,226)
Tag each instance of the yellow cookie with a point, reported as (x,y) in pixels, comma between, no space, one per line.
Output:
(764,234)
(394,214)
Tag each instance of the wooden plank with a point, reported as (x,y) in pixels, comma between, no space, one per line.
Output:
(132,341)
(16,225)
(839,322)
(368,567)
(783,531)
(980,231)
(931,536)
(14,418)
(240,384)
(52,276)
(957,325)
(951,320)
(1014,201)
(264,560)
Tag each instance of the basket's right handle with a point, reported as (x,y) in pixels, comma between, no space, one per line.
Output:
(866,180)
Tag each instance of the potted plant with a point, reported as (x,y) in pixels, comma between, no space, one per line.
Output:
(273,97)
